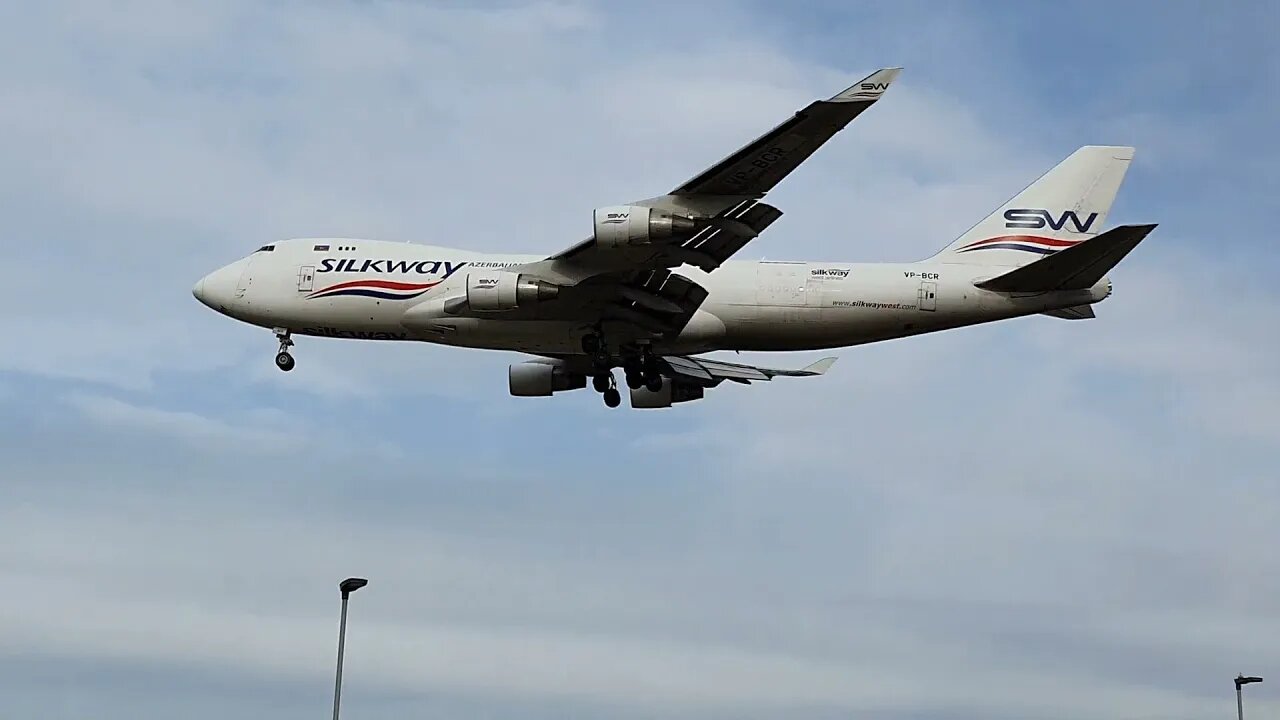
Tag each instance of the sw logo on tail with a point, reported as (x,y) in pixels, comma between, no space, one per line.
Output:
(1038,218)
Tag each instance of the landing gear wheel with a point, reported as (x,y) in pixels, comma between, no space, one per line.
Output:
(284,360)
(653,383)
(612,397)
(602,383)
(635,381)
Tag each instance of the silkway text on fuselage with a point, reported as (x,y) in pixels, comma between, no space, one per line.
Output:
(443,268)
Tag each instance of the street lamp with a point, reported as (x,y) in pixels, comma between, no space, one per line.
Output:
(1241,680)
(347,587)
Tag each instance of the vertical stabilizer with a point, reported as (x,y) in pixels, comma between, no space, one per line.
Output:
(1065,206)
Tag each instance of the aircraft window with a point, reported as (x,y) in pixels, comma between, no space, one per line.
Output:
(321,248)
(266,248)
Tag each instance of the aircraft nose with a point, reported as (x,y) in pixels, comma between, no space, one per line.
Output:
(217,289)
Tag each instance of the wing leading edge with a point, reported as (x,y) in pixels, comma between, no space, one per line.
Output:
(762,163)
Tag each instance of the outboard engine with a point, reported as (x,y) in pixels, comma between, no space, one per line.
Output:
(624,225)
(540,379)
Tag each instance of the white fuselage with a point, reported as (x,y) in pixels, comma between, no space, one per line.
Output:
(368,289)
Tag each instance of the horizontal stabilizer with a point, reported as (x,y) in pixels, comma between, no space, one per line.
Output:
(1078,267)
(1076,312)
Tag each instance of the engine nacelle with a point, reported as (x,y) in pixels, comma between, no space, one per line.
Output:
(672,391)
(539,379)
(624,225)
(500,290)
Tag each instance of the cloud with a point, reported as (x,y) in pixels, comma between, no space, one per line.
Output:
(187,427)
(657,655)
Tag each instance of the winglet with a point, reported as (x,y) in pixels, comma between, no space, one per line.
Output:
(868,89)
(820,367)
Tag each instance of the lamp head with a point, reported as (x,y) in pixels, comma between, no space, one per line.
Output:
(351,585)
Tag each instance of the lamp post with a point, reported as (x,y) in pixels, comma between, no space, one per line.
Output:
(1241,680)
(347,587)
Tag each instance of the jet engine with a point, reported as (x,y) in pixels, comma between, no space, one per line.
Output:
(672,391)
(539,379)
(501,290)
(625,225)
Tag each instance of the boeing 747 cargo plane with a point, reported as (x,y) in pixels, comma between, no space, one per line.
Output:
(654,287)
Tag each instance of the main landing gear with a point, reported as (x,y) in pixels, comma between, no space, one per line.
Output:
(602,378)
(642,372)
(639,368)
(284,360)
(612,398)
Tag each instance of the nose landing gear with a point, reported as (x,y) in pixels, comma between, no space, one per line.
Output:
(284,360)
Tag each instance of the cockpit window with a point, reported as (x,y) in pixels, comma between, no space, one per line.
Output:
(321,248)
(266,248)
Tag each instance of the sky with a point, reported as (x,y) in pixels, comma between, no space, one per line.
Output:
(1034,519)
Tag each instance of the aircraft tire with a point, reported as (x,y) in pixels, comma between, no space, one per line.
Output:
(284,361)
(612,397)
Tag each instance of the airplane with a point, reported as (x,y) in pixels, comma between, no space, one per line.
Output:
(654,288)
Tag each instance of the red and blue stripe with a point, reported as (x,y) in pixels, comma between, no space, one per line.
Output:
(1027,243)
(382,289)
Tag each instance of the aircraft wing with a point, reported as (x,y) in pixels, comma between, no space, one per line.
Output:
(623,272)
(761,164)
(714,214)
(711,372)
(706,372)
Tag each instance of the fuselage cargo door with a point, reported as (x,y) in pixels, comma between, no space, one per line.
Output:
(929,296)
(306,278)
(813,287)
(780,283)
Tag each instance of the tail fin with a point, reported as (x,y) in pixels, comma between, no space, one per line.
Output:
(1078,267)
(1064,206)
